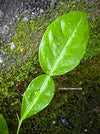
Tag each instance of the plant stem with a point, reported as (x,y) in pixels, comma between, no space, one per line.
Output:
(19,125)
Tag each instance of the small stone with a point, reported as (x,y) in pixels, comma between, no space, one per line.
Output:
(52,5)
(12,46)
(1,60)
(12,27)
(38,9)
(62,2)
(16,16)
(21,10)
(18,19)
(27,4)
(2,52)
(41,10)
(26,13)
(4,29)
(1,14)
(33,13)
(25,19)
(7,17)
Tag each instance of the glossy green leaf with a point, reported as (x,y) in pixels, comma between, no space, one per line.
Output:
(3,125)
(64,43)
(37,96)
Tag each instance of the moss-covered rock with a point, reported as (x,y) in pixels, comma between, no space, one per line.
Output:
(21,65)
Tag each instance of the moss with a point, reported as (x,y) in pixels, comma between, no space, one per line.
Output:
(24,57)
(94,41)
(77,106)
(28,36)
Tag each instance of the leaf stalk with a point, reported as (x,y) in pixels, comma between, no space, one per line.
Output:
(19,125)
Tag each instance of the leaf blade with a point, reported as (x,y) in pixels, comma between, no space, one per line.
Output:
(3,125)
(37,96)
(57,51)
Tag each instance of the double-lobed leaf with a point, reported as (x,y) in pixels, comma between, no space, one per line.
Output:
(3,125)
(64,43)
(37,96)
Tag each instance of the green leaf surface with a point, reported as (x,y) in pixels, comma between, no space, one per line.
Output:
(37,96)
(64,43)
(3,125)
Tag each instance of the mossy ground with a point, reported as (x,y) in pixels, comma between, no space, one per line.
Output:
(82,108)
